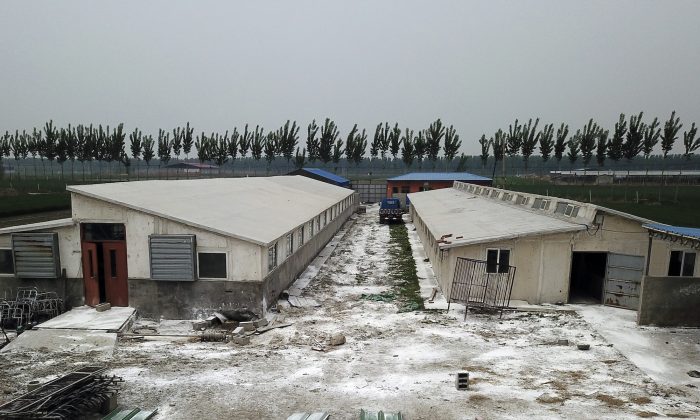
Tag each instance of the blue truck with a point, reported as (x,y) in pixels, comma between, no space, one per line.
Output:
(390,210)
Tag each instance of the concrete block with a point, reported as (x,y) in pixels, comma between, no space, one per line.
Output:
(247,325)
(103,307)
(462,381)
(109,405)
(260,322)
(240,340)
(199,325)
(238,331)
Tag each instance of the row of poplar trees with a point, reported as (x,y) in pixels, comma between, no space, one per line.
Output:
(89,143)
(630,138)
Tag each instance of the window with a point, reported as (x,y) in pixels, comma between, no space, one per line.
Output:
(212,265)
(567,209)
(405,189)
(541,203)
(104,231)
(394,190)
(290,244)
(522,199)
(7,266)
(301,236)
(272,257)
(497,260)
(318,223)
(494,193)
(311,228)
(325,218)
(681,264)
(507,197)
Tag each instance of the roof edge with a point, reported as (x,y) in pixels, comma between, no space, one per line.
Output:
(174,219)
(50,224)
(514,236)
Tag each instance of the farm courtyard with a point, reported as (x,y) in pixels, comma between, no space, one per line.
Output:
(397,356)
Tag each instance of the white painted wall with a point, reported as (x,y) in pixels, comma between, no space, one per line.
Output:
(243,258)
(543,263)
(661,257)
(68,248)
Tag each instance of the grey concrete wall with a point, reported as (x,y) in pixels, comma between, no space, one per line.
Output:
(670,302)
(192,300)
(68,289)
(288,270)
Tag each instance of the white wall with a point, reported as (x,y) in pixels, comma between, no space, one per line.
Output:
(243,258)
(543,263)
(661,257)
(68,248)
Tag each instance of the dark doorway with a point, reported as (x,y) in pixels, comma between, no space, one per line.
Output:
(587,277)
(104,264)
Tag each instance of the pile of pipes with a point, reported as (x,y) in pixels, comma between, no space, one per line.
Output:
(72,396)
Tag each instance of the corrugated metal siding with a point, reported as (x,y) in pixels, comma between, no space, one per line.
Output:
(623,279)
(172,257)
(36,255)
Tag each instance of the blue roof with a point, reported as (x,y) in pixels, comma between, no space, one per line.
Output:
(439,176)
(675,230)
(333,177)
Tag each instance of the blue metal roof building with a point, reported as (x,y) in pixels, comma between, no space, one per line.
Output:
(321,175)
(440,176)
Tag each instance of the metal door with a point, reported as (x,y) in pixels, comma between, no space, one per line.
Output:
(115,275)
(623,280)
(90,276)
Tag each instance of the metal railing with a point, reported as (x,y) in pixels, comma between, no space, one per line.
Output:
(479,284)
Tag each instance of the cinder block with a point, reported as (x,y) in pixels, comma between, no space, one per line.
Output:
(462,380)
(240,340)
(261,322)
(247,325)
(238,331)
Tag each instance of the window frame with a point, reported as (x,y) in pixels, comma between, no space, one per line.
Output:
(12,261)
(682,271)
(272,262)
(301,234)
(311,228)
(289,244)
(205,251)
(499,264)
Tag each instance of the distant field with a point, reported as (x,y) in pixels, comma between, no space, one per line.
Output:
(33,203)
(675,205)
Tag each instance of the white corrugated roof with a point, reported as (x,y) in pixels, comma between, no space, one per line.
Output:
(258,210)
(479,219)
(51,224)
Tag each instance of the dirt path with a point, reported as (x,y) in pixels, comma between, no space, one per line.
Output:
(391,361)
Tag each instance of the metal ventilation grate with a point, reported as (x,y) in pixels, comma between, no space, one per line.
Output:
(172,257)
(36,255)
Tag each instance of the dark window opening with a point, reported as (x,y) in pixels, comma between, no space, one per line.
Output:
(212,265)
(103,232)
(92,268)
(681,264)
(497,260)
(101,273)
(7,266)
(394,190)
(587,281)
(405,190)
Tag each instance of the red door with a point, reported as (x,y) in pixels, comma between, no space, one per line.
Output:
(90,274)
(115,275)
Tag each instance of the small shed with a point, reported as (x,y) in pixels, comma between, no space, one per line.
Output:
(323,176)
(426,181)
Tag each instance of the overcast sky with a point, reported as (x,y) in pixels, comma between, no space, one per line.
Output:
(220,64)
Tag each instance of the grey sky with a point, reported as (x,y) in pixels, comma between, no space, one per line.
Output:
(219,64)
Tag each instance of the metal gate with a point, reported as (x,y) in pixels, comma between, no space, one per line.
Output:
(475,283)
(623,280)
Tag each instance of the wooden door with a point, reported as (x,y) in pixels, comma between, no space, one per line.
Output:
(90,275)
(115,274)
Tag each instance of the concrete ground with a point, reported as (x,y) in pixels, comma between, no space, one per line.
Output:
(525,365)
(665,354)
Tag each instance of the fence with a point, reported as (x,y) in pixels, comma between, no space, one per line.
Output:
(479,284)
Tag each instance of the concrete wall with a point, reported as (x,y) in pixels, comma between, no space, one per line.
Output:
(543,262)
(670,301)
(70,286)
(289,269)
